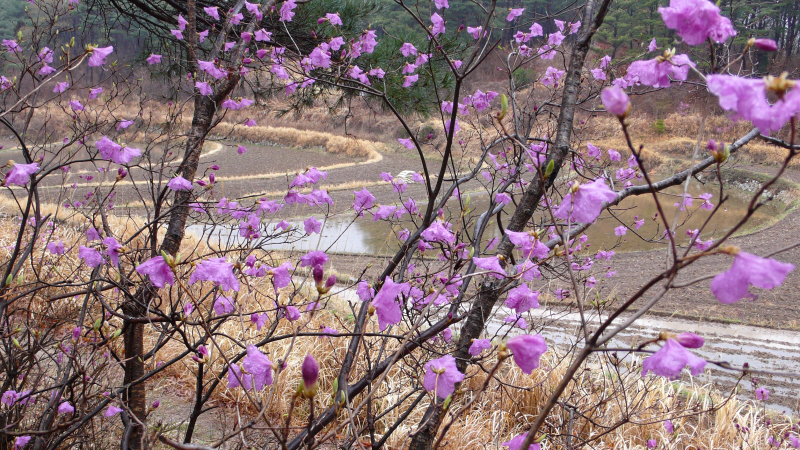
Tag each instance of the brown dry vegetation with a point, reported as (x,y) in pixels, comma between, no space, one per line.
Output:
(610,391)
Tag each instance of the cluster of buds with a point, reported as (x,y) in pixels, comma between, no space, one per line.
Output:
(319,274)
(205,355)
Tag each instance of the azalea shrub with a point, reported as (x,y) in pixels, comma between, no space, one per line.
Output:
(128,264)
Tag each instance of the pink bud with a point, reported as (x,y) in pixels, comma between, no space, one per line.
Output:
(214,167)
(331,281)
(211,178)
(156,404)
(690,340)
(321,20)
(318,274)
(615,100)
(768,45)
(310,371)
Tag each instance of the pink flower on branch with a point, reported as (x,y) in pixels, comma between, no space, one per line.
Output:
(584,202)
(158,270)
(748,269)
(385,303)
(670,360)
(441,376)
(697,20)
(527,349)
(217,270)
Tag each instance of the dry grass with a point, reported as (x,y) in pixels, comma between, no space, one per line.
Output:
(680,138)
(620,409)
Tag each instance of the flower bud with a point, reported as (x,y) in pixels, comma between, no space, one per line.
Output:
(330,282)
(616,101)
(310,371)
(156,404)
(690,340)
(767,45)
(318,274)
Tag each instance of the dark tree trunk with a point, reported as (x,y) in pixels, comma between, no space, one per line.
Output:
(489,291)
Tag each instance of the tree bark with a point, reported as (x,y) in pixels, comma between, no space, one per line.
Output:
(489,291)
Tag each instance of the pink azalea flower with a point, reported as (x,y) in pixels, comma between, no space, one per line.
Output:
(178,183)
(385,303)
(259,320)
(409,80)
(236,19)
(439,231)
(211,69)
(527,350)
(236,378)
(314,259)
(441,376)
(598,74)
(407,143)
(46,70)
(12,46)
(21,441)
(94,93)
(280,275)
(522,299)
(383,212)
(90,256)
(762,394)
(20,174)
(65,408)
(514,13)
(153,59)
(620,230)
(312,225)
(159,271)
(475,32)
(479,345)
(502,198)
(363,200)
(76,105)
(438,25)
(657,72)
(112,411)
(441,4)
(92,234)
(218,270)
(263,35)
(212,11)
(223,305)
(491,264)
(112,249)
(748,99)
(124,124)
(614,155)
(732,285)
(697,20)
(408,49)
(670,360)
(536,30)
(56,248)
(604,61)
(259,366)
(516,443)
(99,55)
(202,35)
(334,19)
(585,202)
(60,87)
(653,46)
(287,10)
(253,9)
(182,22)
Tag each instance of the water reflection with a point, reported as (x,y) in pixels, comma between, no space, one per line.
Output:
(343,235)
